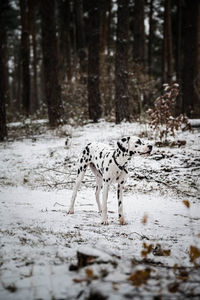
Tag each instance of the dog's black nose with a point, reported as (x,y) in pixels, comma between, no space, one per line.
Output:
(150,147)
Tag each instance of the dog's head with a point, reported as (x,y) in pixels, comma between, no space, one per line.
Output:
(134,145)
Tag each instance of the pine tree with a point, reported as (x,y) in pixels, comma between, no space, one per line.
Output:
(50,62)
(121,63)
(94,98)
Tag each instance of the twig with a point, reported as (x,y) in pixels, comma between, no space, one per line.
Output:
(56,203)
(141,235)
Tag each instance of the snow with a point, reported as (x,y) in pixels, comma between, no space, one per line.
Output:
(39,240)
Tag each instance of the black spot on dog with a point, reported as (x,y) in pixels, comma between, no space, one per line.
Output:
(107,169)
(81,160)
(124,140)
(84,152)
(95,157)
(120,216)
(78,171)
(120,202)
(139,142)
(85,166)
(117,178)
(110,161)
(118,193)
(122,181)
(100,154)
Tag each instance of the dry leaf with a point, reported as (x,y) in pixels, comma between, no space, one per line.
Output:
(194,253)
(89,273)
(187,203)
(144,219)
(140,277)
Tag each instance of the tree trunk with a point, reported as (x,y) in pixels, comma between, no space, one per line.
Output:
(139,34)
(150,38)
(65,40)
(68,41)
(34,102)
(3,92)
(25,57)
(94,99)
(121,62)
(80,37)
(191,75)
(50,60)
(168,52)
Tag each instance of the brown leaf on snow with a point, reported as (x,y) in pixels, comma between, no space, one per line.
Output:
(186,203)
(144,219)
(140,277)
(146,249)
(194,254)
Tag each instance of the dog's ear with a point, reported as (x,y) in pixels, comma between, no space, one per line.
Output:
(123,144)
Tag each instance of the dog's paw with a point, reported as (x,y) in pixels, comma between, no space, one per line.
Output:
(122,221)
(104,222)
(70,211)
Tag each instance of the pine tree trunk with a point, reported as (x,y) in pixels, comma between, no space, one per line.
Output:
(65,40)
(151,30)
(25,57)
(94,99)
(121,63)
(168,52)
(80,37)
(50,60)
(3,128)
(68,41)
(139,34)
(191,75)
(34,102)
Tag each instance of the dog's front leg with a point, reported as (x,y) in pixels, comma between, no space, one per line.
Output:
(120,204)
(104,203)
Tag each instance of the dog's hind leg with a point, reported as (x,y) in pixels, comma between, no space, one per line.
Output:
(75,190)
(98,186)
(97,193)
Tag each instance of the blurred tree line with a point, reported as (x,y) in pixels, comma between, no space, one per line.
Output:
(86,59)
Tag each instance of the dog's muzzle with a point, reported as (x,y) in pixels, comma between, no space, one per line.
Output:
(148,152)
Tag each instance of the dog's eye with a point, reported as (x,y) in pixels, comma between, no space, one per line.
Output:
(139,142)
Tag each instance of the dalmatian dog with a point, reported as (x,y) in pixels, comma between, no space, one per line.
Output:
(109,166)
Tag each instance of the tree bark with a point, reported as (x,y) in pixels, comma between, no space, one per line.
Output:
(139,34)
(65,39)
(94,99)
(50,60)
(121,63)
(168,52)
(191,73)
(3,92)
(25,57)
(150,37)
(80,37)
(34,102)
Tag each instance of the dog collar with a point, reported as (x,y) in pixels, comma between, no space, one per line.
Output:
(120,167)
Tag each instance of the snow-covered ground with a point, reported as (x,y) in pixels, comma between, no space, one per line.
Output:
(39,241)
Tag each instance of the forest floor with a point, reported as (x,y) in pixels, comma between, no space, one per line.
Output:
(155,256)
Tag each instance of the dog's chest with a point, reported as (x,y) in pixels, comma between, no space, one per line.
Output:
(102,159)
